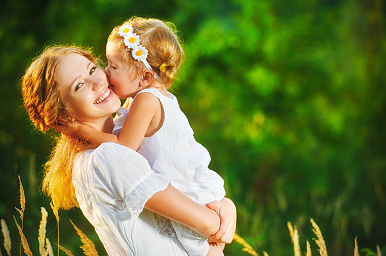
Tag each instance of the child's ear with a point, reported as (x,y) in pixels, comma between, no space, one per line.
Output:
(147,79)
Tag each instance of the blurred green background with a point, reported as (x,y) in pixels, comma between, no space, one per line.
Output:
(289,98)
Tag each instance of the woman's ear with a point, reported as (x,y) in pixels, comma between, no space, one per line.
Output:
(146,79)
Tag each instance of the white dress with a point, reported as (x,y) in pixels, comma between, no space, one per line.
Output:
(112,184)
(174,152)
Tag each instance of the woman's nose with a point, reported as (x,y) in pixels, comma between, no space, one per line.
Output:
(98,82)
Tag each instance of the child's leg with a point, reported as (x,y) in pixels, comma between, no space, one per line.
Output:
(216,249)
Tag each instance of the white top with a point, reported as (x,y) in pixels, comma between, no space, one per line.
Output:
(112,184)
(174,152)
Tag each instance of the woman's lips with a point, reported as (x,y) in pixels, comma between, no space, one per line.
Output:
(103,97)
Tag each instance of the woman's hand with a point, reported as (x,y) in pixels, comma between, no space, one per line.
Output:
(226,210)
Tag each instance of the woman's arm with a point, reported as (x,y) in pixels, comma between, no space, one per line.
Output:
(174,205)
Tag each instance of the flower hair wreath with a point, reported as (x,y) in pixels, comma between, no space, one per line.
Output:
(132,41)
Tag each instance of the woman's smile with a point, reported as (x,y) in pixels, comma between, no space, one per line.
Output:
(104,97)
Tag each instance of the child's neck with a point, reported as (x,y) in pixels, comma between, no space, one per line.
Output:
(159,87)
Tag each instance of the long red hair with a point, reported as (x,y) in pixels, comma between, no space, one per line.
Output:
(42,101)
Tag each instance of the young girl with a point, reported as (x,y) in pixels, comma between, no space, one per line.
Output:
(143,57)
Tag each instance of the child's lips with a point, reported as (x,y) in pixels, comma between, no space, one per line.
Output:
(112,87)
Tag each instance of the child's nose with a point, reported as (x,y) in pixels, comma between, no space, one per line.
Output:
(107,70)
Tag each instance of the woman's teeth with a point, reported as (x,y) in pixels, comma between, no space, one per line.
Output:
(103,97)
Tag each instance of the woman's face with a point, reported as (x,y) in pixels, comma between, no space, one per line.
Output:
(85,90)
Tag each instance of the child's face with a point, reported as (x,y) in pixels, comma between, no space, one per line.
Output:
(123,79)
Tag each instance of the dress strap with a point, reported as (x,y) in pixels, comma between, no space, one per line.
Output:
(151,90)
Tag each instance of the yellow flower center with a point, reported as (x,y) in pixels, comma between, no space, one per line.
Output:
(132,40)
(125,30)
(139,53)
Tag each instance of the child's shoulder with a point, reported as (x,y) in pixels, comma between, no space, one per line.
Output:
(146,98)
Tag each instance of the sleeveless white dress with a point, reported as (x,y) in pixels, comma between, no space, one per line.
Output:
(112,184)
(174,152)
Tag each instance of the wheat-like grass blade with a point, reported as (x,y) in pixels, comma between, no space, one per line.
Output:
(295,238)
(22,206)
(24,241)
(68,252)
(49,251)
(22,201)
(246,247)
(308,252)
(55,210)
(319,241)
(356,250)
(379,251)
(88,246)
(42,231)
(7,237)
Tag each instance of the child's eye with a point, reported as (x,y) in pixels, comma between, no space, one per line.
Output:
(113,67)
(92,70)
(77,87)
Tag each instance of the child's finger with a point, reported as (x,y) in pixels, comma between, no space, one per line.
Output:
(215,206)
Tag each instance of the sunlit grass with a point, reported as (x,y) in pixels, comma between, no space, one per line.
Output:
(89,249)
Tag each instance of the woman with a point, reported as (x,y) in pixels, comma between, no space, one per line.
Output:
(111,184)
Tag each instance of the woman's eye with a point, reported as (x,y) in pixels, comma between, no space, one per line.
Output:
(77,87)
(92,70)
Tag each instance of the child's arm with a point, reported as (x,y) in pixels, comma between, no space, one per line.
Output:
(77,129)
(94,136)
(140,120)
(136,124)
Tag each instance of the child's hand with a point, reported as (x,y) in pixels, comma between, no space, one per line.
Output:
(69,129)
(226,210)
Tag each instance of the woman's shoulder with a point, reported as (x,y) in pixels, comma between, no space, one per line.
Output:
(119,163)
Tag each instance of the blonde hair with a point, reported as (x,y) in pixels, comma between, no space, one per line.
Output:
(163,45)
(46,109)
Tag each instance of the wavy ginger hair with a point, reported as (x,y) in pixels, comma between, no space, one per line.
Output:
(45,107)
(162,43)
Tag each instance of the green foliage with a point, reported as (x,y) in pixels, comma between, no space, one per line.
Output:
(288,97)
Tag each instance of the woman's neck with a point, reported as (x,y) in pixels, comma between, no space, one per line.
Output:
(104,125)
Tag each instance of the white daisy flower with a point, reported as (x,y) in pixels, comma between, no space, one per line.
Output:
(139,53)
(125,30)
(132,40)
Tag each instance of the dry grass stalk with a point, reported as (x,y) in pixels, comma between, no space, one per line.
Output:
(246,247)
(379,251)
(24,242)
(48,250)
(22,206)
(88,246)
(68,252)
(356,250)
(7,237)
(295,238)
(319,241)
(22,202)
(55,210)
(42,231)
(308,253)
